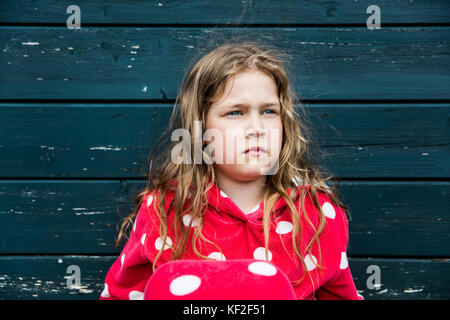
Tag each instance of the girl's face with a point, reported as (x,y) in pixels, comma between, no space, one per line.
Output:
(246,127)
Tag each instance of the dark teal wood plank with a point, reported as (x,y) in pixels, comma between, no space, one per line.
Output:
(405,279)
(50,217)
(60,217)
(149,63)
(114,140)
(43,277)
(398,218)
(232,11)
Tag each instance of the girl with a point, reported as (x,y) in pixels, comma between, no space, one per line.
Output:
(266,205)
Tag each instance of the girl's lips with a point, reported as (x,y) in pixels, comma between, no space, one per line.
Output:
(255,151)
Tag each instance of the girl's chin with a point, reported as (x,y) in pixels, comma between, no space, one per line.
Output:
(245,172)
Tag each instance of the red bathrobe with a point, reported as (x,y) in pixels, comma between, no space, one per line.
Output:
(241,270)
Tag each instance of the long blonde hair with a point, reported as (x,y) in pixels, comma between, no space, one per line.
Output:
(204,82)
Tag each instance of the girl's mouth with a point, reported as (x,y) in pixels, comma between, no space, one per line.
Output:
(255,151)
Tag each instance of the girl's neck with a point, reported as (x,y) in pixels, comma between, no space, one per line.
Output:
(245,194)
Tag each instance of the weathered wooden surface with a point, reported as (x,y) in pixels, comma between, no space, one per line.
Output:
(226,12)
(48,277)
(114,140)
(124,63)
(77,216)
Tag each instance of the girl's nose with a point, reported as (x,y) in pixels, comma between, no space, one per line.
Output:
(254,127)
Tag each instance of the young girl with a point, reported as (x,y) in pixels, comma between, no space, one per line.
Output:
(265,212)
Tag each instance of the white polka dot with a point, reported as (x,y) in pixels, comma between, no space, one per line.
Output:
(297,181)
(187,219)
(136,295)
(105,292)
(262,268)
(143,238)
(260,254)
(159,243)
(184,285)
(309,262)
(253,209)
(223,194)
(328,210)
(284,227)
(134,225)
(360,295)
(122,260)
(344,261)
(149,200)
(217,255)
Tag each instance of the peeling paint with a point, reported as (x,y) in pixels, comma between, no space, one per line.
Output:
(30,43)
(412,290)
(109,148)
(89,213)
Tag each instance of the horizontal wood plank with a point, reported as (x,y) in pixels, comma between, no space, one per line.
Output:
(115,140)
(47,277)
(224,12)
(78,216)
(349,63)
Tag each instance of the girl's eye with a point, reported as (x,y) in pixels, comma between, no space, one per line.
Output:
(237,112)
(233,113)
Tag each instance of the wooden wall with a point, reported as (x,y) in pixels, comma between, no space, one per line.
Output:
(81,109)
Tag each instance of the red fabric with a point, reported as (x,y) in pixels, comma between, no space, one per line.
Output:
(240,279)
(240,236)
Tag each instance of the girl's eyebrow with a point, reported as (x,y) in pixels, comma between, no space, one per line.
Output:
(267,104)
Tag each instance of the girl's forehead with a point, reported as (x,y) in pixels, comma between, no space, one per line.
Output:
(247,89)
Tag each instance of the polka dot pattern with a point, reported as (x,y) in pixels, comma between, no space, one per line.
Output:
(262,268)
(284,227)
(184,285)
(310,262)
(136,295)
(328,210)
(122,260)
(238,237)
(159,243)
(105,292)
(187,219)
(149,200)
(217,255)
(260,254)
(344,261)
(219,280)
